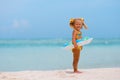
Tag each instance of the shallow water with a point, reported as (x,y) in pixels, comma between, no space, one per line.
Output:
(49,54)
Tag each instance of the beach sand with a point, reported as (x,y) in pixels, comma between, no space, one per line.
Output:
(87,74)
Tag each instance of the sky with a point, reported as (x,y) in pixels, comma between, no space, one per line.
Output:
(36,19)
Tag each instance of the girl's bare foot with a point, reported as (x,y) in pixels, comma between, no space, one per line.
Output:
(77,72)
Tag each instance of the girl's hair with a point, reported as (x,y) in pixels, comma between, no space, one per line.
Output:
(72,22)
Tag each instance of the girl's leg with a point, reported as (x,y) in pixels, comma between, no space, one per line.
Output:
(76,56)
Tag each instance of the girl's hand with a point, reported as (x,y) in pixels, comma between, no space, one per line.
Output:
(76,46)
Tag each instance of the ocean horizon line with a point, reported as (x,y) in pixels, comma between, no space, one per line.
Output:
(54,38)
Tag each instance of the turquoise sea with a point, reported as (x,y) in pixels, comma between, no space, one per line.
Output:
(49,54)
